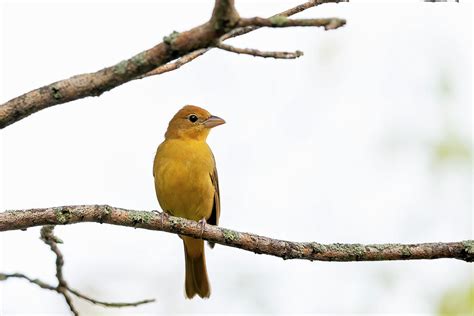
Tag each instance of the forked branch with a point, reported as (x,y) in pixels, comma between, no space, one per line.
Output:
(63,287)
(184,47)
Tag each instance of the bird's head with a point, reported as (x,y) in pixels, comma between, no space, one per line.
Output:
(192,122)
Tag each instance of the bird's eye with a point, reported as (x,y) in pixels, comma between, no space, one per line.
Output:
(193,118)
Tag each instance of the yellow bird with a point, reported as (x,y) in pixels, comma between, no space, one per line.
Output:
(186,185)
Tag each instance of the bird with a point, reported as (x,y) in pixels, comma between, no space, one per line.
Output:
(187,186)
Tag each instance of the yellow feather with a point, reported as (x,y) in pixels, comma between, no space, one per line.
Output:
(186,185)
(183,185)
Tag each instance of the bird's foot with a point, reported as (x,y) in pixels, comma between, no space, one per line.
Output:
(203,223)
(163,216)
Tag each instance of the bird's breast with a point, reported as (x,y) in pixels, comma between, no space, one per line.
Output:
(182,172)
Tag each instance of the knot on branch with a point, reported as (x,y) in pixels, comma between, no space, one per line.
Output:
(104,212)
(46,235)
(55,91)
(63,215)
(140,217)
(169,39)
(224,16)
(468,250)
(278,20)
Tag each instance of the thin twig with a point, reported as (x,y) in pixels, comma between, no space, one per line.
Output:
(23,219)
(41,284)
(59,289)
(46,286)
(177,64)
(282,21)
(63,288)
(48,237)
(68,299)
(109,304)
(259,53)
(297,9)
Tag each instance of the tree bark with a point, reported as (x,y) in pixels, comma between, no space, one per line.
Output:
(223,24)
(23,219)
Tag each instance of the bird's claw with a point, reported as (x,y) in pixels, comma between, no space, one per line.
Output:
(202,223)
(163,215)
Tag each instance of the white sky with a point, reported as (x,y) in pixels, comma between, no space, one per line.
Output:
(333,147)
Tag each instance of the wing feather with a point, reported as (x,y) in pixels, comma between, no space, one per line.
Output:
(216,205)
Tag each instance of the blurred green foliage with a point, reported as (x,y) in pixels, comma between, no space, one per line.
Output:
(451,148)
(457,302)
(445,86)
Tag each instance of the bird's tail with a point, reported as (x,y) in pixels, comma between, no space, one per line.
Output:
(196,281)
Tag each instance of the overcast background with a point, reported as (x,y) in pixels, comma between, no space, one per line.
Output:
(364,139)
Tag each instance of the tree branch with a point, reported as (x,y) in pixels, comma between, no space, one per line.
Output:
(234,33)
(292,11)
(224,24)
(259,53)
(63,288)
(283,21)
(110,304)
(23,219)
(41,284)
(175,65)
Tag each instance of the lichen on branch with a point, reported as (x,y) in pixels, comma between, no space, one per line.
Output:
(224,23)
(313,251)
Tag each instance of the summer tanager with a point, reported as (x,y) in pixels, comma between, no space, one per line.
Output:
(186,185)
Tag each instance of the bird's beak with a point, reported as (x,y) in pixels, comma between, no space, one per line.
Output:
(213,121)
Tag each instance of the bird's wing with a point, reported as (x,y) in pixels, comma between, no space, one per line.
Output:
(216,205)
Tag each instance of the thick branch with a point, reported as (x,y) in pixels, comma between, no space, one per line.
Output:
(222,25)
(14,220)
(94,84)
(224,16)
(234,33)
